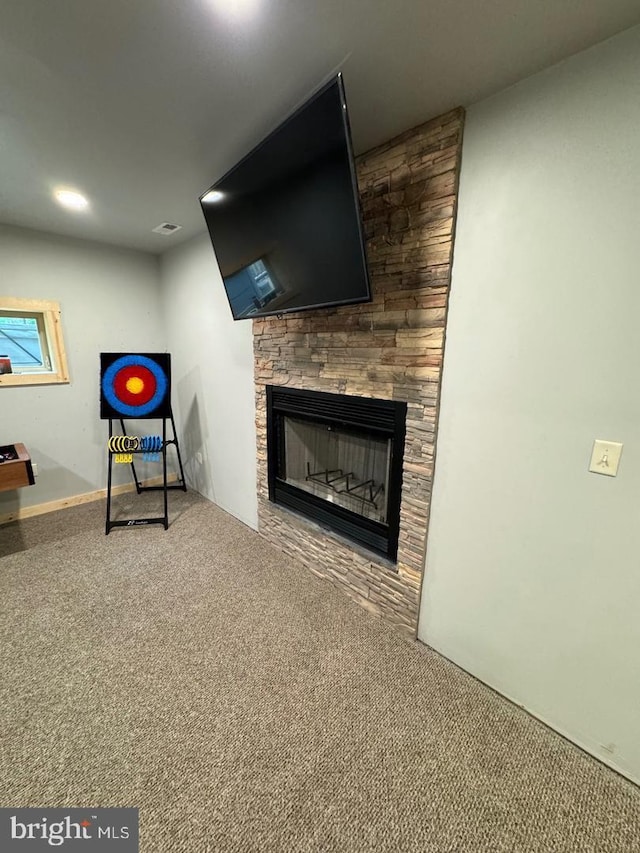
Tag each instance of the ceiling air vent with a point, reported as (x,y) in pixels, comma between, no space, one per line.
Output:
(166,228)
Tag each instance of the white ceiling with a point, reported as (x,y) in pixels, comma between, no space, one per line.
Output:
(142,104)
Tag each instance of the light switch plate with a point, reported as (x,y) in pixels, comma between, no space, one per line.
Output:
(605,457)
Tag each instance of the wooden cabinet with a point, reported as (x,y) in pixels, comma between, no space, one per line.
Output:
(15,467)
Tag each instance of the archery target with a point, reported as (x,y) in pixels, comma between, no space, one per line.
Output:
(135,385)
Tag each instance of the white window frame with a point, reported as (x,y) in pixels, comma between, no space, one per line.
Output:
(47,315)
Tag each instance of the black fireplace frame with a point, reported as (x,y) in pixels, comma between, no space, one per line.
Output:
(383,418)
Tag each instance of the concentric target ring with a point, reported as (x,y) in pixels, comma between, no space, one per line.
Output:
(134,385)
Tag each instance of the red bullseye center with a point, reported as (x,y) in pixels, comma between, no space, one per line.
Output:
(134,385)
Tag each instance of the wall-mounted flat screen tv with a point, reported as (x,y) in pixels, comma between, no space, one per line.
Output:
(285,221)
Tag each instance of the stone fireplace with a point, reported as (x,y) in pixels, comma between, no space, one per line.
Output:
(389,350)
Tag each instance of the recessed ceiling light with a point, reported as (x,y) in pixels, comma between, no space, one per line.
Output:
(238,9)
(71,199)
(213,196)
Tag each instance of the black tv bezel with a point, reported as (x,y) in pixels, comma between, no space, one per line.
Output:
(338,81)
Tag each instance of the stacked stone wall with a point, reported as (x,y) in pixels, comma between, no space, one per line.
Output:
(390,348)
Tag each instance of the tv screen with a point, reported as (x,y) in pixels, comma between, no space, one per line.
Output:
(285,221)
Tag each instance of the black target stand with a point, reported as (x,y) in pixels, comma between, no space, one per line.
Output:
(164,487)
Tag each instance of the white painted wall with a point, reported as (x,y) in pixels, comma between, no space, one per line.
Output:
(213,390)
(533,563)
(120,300)
(109,302)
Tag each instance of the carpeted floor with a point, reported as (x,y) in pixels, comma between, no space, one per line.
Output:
(242,704)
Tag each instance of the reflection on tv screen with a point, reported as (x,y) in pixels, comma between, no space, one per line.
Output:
(251,289)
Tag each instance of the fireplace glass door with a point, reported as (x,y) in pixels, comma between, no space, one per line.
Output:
(337,459)
(344,467)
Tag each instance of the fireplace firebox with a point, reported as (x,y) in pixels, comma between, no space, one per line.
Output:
(337,459)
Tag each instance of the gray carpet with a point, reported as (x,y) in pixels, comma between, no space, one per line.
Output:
(245,705)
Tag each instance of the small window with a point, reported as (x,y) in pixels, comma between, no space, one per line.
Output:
(31,345)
